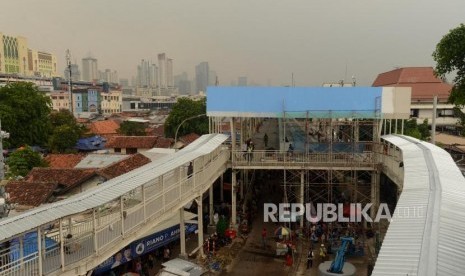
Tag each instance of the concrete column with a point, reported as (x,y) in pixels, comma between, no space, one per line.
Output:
(200,224)
(62,245)
(21,252)
(233,199)
(302,199)
(182,233)
(233,135)
(395,131)
(122,214)
(210,201)
(94,231)
(70,228)
(39,250)
(402,127)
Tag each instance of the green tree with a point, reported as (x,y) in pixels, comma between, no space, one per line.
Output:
(62,117)
(24,112)
(423,128)
(183,109)
(64,138)
(411,128)
(450,59)
(64,131)
(21,162)
(132,129)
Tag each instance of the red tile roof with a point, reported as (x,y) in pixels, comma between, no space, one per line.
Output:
(424,84)
(139,142)
(163,142)
(69,178)
(104,127)
(63,160)
(30,193)
(158,130)
(82,120)
(126,165)
(189,138)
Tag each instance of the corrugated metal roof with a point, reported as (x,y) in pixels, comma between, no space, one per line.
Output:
(430,241)
(109,190)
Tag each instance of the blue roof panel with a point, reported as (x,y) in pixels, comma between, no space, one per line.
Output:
(295,101)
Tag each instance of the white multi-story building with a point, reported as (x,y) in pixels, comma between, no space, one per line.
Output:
(60,100)
(169,73)
(147,74)
(75,73)
(90,69)
(111,102)
(202,72)
(162,70)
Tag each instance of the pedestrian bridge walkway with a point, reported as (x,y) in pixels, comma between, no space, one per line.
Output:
(79,233)
(426,235)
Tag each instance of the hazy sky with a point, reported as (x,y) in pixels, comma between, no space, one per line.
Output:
(261,39)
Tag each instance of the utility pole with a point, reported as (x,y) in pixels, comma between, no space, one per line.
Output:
(433,123)
(70,93)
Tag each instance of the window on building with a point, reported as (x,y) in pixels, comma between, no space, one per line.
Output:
(445,113)
(117,149)
(414,113)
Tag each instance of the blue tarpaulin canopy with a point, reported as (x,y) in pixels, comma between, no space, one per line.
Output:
(29,246)
(91,143)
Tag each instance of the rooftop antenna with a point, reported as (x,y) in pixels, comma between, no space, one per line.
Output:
(292,81)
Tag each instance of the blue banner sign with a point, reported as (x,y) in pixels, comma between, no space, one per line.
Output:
(143,246)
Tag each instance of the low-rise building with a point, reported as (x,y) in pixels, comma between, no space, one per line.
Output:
(63,161)
(112,102)
(106,128)
(131,144)
(60,100)
(45,185)
(425,85)
(86,101)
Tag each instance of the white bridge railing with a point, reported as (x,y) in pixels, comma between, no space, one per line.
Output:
(78,243)
(287,159)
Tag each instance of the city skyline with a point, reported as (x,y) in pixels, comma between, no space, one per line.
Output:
(316,41)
